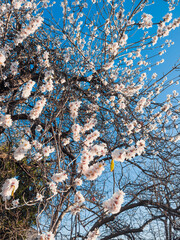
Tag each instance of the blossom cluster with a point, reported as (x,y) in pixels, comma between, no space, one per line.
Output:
(47,236)
(59,177)
(93,235)
(9,187)
(14,68)
(23,148)
(39,145)
(140,105)
(48,78)
(48,86)
(47,150)
(74,106)
(146,21)
(113,48)
(76,129)
(78,201)
(108,65)
(113,205)
(29,29)
(95,170)
(99,149)
(17,4)
(5,120)
(123,40)
(36,111)
(2,58)
(27,89)
(91,137)
(164,30)
(121,154)
(89,125)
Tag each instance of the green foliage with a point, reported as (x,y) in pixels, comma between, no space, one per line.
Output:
(15,222)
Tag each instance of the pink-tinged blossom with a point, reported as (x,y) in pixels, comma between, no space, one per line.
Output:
(37,157)
(49,75)
(47,236)
(43,88)
(119,155)
(36,111)
(99,150)
(49,85)
(131,152)
(78,201)
(141,143)
(66,141)
(53,187)
(154,40)
(76,129)
(27,89)
(46,59)
(17,4)
(109,65)
(165,107)
(140,146)
(15,202)
(113,205)
(39,128)
(14,68)
(9,188)
(94,171)
(140,105)
(47,150)
(78,198)
(91,137)
(39,197)
(130,126)
(5,120)
(37,144)
(75,209)
(28,5)
(74,107)
(59,177)
(78,182)
(146,21)
(119,87)
(123,40)
(23,148)
(89,125)
(29,29)
(113,48)
(85,159)
(2,58)
(167,17)
(93,235)
(154,76)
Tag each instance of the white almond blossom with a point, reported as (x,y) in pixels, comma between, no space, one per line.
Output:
(9,188)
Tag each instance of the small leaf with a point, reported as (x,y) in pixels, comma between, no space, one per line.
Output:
(112,165)
(12,194)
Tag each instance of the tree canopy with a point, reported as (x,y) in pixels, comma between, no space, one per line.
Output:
(89,128)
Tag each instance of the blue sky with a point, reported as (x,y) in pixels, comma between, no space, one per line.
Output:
(158,10)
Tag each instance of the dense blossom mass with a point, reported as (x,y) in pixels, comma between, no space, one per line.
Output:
(88,124)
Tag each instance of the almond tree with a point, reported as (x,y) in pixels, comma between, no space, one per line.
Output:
(81,104)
